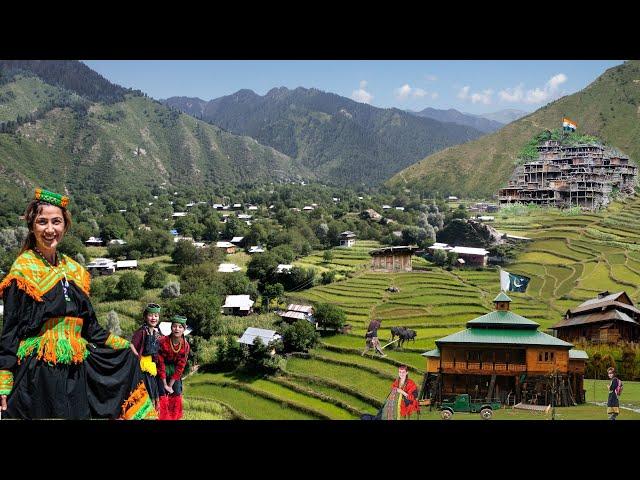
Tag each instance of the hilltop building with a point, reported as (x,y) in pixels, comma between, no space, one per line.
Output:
(583,175)
(502,355)
(608,318)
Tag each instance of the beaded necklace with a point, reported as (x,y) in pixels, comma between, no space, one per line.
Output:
(179,345)
(65,283)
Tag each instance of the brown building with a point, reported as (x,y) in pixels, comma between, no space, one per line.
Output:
(392,259)
(584,175)
(609,318)
(503,356)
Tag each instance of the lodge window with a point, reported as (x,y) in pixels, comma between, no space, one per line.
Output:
(548,356)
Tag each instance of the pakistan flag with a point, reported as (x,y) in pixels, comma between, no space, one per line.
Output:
(512,282)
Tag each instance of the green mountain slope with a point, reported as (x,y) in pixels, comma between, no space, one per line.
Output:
(342,141)
(608,108)
(54,137)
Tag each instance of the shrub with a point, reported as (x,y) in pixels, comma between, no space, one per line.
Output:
(170,290)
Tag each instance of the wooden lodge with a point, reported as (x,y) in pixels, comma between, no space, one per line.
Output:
(609,318)
(392,259)
(502,356)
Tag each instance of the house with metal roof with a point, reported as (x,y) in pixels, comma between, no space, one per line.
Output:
(239,305)
(502,356)
(297,312)
(608,318)
(347,239)
(266,336)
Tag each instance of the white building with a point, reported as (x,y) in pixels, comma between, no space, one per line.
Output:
(267,336)
(129,264)
(256,249)
(94,242)
(101,266)
(283,267)
(228,268)
(347,239)
(237,305)
(179,214)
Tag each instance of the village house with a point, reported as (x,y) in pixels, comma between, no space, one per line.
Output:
(126,264)
(452,198)
(239,305)
(609,318)
(228,247)
(266,336)
(179,214)
(283,268)
(238,241)
(228,268)
(101,266)
(94,242)
(117,241)
(347,239)
(392,259)
(502,355)
(255,249)
(471,256)
(297,312)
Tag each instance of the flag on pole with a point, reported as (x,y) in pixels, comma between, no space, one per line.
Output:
(568,124)
(512,282)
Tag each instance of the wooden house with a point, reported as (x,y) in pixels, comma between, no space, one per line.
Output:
(609,318)
(228,247)
(503,356)
(392,259)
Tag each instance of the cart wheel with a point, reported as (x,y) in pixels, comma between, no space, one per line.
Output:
(486,413)
(446,414)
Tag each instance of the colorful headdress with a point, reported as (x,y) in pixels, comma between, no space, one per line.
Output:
(152,308)
(179,319)
(52,198)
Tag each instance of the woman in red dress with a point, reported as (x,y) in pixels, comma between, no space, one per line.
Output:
(403,399)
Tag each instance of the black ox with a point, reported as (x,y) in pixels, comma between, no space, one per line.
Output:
(403,334)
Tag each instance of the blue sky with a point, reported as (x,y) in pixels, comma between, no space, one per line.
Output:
(473,86)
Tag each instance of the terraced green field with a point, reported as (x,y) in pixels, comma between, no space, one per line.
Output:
(570,259)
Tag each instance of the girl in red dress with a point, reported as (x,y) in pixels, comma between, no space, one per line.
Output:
(172,360)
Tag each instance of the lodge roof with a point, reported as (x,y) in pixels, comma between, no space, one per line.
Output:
(392,250)
(604,302)
(502,297)
(502,336)
(431,353)
(504,319)
(595,317)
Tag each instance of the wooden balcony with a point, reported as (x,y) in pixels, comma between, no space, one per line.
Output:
(487,368)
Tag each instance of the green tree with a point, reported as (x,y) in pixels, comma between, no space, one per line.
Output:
(202,312)
(155,276)
(272,291)
(327,256)
(329,316)
(301,336)
(185,253)
(129,287)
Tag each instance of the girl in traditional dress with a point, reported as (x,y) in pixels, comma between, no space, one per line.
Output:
(56,361)
(402,401)
(613,404)
(145,343)
(172,360)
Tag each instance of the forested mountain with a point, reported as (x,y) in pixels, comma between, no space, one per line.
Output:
(59,139)
(454,116)
(608,108)
(70,75)
(340,140)
(505,116)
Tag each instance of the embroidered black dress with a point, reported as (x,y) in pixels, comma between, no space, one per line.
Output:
(56,361)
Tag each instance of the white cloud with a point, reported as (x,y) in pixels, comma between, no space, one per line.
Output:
(406,91)
(512,95)
(463,94)
(550,91)
(434,95)
(419,93)
(475,97)
(361,95)
(431,78)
